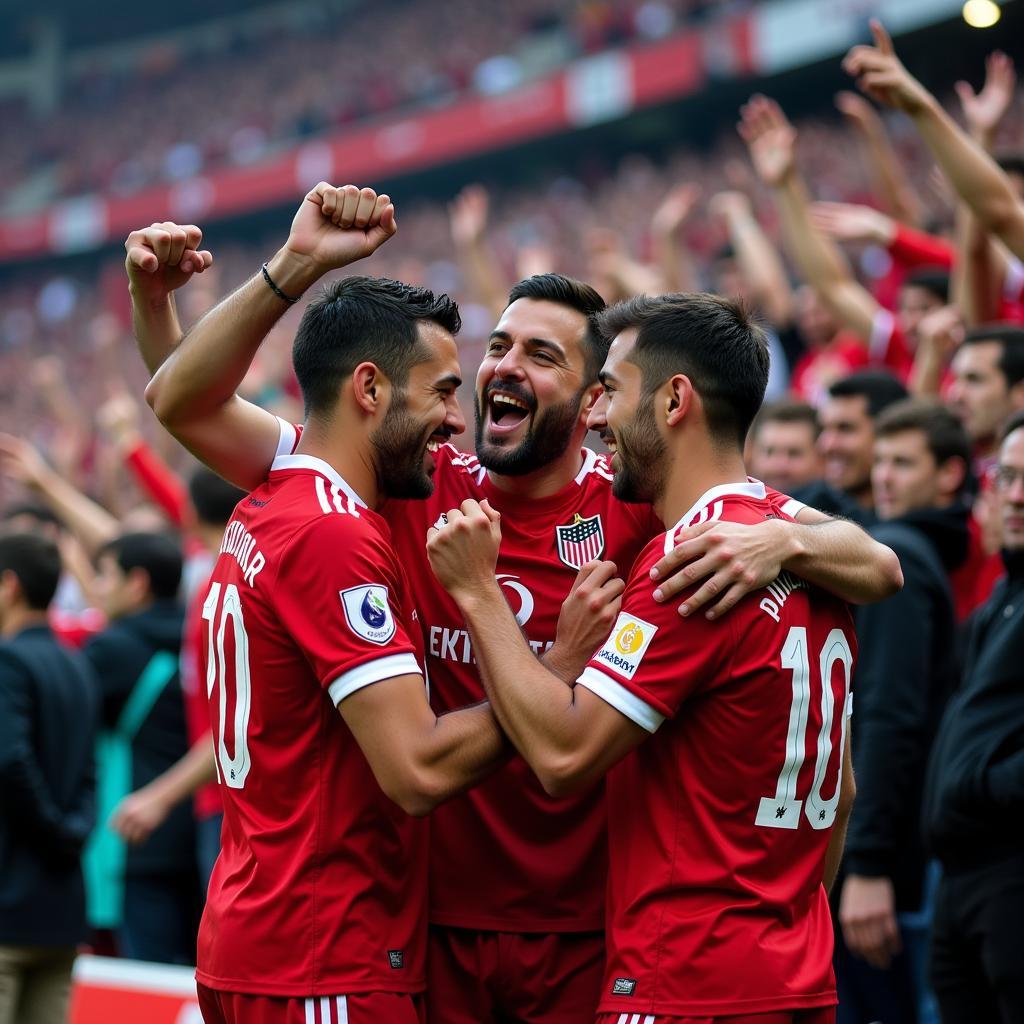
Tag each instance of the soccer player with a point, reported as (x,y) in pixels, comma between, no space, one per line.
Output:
(723,825)
(317,903)
(517,877)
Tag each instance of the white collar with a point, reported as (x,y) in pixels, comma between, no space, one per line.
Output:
(318,466)
(710,504)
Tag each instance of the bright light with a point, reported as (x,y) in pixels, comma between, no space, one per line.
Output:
(981,13)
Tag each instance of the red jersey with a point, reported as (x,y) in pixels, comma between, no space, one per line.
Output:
(819,368)
(888,346)
(1012,299)
(719,823)
(505,856)
(320,887)
(972,581)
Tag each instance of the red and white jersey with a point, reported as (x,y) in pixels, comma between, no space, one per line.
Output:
(888,346)
(1012,304)
(505,856)
(321,884)
(719,823)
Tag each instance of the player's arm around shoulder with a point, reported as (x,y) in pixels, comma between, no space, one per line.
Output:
(735,559)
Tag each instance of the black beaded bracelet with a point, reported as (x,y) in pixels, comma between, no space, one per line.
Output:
(277,291)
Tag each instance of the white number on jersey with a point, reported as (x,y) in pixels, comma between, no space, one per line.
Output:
(783,809)
(233,770)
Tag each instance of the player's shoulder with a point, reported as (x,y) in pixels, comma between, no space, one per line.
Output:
(451,462)
(595,475)
(747,502)
(313,503)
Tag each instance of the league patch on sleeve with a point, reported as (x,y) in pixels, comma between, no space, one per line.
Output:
(368,613)
(625,648)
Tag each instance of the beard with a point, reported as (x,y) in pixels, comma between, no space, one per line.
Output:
(547,438)
(640,465)
(399,443)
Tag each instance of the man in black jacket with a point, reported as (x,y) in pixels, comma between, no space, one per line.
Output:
(905,673)
(974,795)
(49,703)
(136,660)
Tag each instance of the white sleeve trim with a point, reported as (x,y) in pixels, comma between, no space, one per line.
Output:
(1013,284)
(793,508)
(882,327)
(375,671)
(287,439)
(624,701)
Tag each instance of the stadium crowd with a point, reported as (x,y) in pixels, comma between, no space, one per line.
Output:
(150,120)
(891,290)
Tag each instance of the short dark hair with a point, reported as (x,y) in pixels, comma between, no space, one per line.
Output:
(943,432)
(155,553)
(788,410)
(364,319)
(33,510)
(212,496)
(1012,162)
(711,339)
(1015,422)
(878,388)
(932,279)
(36,562)
(567,291)
(1011,339)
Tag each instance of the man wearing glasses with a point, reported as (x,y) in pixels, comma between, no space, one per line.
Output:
(974,794)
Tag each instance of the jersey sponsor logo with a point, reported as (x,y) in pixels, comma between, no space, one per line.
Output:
(625,648)
(368,613)
(456,645)
(623,986)
(526,602)
(396,958)
(580,541)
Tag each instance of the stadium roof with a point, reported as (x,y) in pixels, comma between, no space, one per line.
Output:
(87,25)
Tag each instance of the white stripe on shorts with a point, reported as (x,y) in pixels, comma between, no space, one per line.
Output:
(342,1009)
(310,1012)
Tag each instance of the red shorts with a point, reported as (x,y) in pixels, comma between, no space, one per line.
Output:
(367,1008)
(482,977)
(818,1015)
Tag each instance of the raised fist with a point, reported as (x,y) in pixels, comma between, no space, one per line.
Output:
(337,226)
(163,257)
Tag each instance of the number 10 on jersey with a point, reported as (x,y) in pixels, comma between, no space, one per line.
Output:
(232,770)
(783,809)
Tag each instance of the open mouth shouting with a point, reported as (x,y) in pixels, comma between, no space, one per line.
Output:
(507,409)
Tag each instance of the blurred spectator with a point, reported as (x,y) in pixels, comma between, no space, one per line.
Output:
(784,445)
(141,812)
(149,892)
(847,442)
(988,386)
(974,795)
(49,709)
(906,669)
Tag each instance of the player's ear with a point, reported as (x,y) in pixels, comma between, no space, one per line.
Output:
(590,397)
(370,387)
(677,398)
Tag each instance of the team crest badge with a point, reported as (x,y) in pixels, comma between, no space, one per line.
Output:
(368,613)
(580,541)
